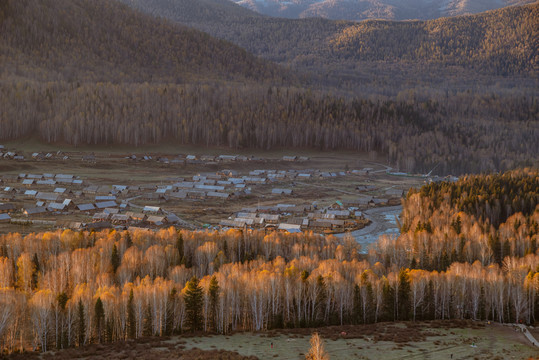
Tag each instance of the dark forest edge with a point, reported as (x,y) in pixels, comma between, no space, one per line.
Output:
(472,256)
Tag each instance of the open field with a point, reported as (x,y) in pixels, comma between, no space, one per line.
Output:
(396,341)
(429,340)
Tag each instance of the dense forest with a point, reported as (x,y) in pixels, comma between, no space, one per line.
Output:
(480,217)
(105,41)
(64,288)
(496,42)
(480,133)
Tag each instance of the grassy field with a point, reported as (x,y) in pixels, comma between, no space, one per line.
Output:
(430,340)
(394,341)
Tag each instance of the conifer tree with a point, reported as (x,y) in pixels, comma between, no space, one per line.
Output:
(81,328)
(180,248)
(213,293)
(99,312)
(193,304)
(115,259)
(148,322)
(35,271)
(131,320)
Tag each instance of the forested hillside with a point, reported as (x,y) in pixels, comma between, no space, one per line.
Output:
(83,40)
(64,288)
(97,72)
(496,42)
(501,42)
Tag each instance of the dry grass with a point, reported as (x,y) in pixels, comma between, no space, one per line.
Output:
(421,340)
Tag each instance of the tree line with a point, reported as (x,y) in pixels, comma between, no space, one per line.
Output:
(417,133)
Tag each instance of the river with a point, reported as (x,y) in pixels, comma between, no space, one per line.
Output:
(383,223)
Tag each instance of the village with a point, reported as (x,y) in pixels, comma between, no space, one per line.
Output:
(291,197)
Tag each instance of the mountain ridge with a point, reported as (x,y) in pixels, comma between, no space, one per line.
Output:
(375,9)
(503,38)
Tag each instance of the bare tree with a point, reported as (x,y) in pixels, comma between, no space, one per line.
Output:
(317,351)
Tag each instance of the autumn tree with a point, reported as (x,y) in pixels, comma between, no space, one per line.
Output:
(317,351)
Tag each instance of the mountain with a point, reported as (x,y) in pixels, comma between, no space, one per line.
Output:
(99,72)
(498,42)
(357,10)
(195,11)
(101,40)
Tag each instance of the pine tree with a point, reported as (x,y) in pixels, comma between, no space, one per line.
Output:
(225,249)
(81,329)
(61,341)
(35,271)
(357,316)
(109,330)
(169,323)
(404,295)
(99,313)
(321,298)
(180,248)
(128,240)
(115,259)
(213,294)
(193,304)
(388,302)
(148,322)
(131,320)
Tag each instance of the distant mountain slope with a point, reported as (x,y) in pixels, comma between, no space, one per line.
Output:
(502,41)
(195,11)
(497,42)
(107,41)
(375,9)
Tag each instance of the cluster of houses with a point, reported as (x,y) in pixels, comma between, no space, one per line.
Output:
(193,159)
(339,217)
(29,195)
(206,159)
(9,155)
(40,156)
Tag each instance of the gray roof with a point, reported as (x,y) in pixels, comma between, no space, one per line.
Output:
(105,204)
(36,210)
(47,196)
(55,206)
(5,217)
(86,207)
